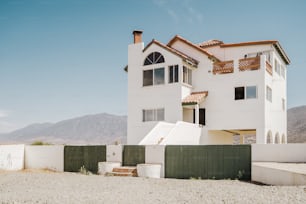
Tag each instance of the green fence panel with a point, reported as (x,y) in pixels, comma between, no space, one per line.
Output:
(133,155)
(88,156)
(208,161)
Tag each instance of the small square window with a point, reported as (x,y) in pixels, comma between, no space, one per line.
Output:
(251,92)
(239,93)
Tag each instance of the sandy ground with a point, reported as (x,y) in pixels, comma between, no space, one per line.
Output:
(50,187)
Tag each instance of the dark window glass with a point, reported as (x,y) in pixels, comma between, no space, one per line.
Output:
(148,77)
(171,74)
(154,58)
(239,93)
(176,73)
(159,76)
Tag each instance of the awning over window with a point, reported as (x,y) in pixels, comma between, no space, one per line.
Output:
(194,98)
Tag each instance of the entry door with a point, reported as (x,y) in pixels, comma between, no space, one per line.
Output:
(201,116)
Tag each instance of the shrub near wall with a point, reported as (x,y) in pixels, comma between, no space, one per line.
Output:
(208,162)
(88,156)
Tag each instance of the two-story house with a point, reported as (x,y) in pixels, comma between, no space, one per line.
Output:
(232,91)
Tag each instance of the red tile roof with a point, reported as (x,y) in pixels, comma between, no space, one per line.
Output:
(195,98)
(177,37)
(174,51)
(210,43)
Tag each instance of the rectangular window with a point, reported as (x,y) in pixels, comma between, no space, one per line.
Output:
(283,104)
(148,77)
(239,93)
(153,115)
(277,67)
(283,71)
(269,94)
(251,92)
(153,77)
(159,76)
(187,75)
(173,74)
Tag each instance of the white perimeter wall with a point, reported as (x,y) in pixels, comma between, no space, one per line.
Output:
(155,154)
(278,152)
(114,153)
(44,157)
(11,157)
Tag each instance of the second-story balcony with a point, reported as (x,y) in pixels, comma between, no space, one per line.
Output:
(252,63)
(223,67)
(245,64)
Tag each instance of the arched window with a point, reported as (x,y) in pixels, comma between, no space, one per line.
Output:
(269,138)
(154,58)
(283,139)
(277,139)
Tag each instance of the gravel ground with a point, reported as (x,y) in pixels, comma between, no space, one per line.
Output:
(50,187)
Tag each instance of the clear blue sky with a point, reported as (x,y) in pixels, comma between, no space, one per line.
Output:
(64,58)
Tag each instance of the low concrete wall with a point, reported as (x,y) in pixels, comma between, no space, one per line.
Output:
(44,157)
(114,153)
(11,157)
(273,173)
(155,154)
(278,152)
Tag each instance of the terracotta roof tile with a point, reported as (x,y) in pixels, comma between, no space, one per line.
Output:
(174,51)
(177,37)
(210,43)
(195,98)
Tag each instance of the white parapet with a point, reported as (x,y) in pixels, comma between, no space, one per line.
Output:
(105,167)
(183,134)
(50,157)
(11,157)
(157,134)
(149,170)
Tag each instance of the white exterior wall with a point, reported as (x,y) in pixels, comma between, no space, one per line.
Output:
(167,96)
(155,154)
(49,157)
(11,157)
(276,117)
(223,112)
(114,153)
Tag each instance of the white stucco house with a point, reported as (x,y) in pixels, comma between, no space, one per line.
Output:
(228,92)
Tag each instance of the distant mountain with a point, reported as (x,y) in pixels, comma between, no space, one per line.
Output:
(90,129)
(296,124)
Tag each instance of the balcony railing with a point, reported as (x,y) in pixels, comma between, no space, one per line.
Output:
(249,64)
(269,68)
(223,67)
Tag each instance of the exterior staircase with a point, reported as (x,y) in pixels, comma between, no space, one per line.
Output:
(130,171)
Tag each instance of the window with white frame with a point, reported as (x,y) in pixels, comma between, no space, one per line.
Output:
(247,92)
(154,58)
(187,75)
(277,67)
(153,114)
(153,76)
(269,94)
(173,73)
(283,71)
(251,92)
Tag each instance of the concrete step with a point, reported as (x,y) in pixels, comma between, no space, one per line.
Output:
(127,174)
(125,169)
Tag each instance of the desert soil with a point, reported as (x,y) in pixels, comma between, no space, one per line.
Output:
(50,187)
